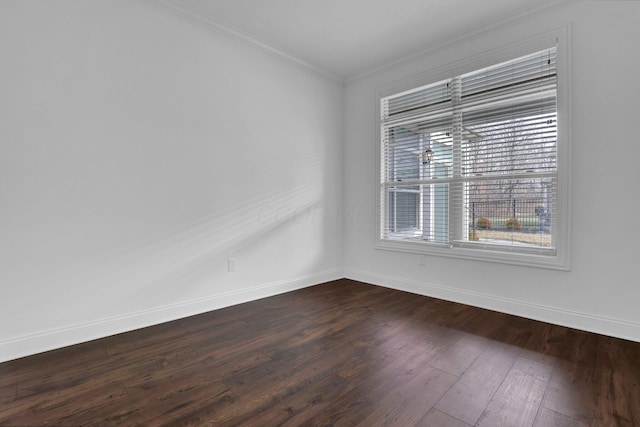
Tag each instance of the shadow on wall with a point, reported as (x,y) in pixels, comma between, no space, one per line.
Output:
(186,264)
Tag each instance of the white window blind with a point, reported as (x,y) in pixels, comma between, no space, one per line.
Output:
(471,161)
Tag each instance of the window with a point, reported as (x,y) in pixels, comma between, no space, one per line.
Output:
(469,165)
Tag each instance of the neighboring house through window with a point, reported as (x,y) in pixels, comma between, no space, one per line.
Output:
(469,165)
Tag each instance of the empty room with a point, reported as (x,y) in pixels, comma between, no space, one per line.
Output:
(319,212)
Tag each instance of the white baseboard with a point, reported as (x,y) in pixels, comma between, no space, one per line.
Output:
(583,321)
(27,345)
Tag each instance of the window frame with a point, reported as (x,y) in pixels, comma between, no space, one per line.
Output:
(477,251)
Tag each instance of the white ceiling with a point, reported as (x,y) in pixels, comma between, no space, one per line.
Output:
(346,38)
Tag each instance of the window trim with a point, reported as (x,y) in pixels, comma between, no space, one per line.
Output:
(482,252)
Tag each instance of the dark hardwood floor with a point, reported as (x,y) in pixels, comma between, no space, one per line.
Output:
(342,353)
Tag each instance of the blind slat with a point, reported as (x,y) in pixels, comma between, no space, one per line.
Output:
(480,145)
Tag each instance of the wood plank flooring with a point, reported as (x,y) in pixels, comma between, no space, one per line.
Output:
(339,354)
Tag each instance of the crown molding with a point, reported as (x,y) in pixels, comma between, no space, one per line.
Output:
(180,9)
(530,13)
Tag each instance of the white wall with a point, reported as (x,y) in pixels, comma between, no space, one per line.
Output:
(601,291)
(139,150)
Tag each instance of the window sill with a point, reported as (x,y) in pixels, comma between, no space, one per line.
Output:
(544,258)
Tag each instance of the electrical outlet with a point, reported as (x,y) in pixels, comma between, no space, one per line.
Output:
(232,265)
